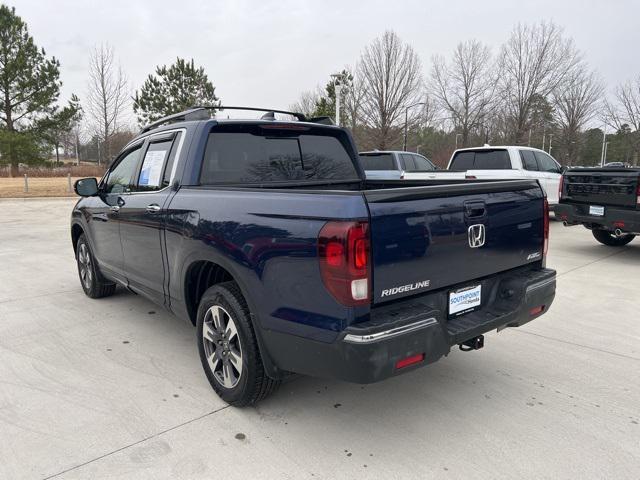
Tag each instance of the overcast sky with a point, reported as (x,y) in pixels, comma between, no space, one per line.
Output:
(264,53)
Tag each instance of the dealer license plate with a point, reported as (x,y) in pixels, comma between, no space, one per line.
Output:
(465,300)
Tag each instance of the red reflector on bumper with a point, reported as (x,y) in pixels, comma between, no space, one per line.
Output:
(536,310)
(413,359)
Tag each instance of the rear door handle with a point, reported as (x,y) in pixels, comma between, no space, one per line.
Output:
(153,208)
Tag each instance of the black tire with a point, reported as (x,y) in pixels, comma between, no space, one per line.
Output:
(608,238)
(251,382)
(93,284)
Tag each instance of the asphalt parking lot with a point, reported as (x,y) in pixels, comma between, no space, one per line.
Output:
(113,388)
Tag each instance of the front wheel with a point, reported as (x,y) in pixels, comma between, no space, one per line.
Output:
(228,347)
(609,238)
(92,283)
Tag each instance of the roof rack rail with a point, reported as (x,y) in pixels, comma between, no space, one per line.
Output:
(202,113)
(300,116)
(195,113)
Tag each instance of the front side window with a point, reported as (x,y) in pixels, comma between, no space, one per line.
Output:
(422,164)
(546,163)
(121,176)
(254,154)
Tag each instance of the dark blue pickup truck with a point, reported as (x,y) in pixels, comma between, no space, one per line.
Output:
(267,236)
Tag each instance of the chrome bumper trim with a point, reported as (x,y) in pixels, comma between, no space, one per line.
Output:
(544,283)
(387,334)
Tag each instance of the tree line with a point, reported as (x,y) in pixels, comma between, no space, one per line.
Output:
(536,89)
(34,124)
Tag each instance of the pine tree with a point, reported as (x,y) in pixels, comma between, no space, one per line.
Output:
(173,89)
(29,89)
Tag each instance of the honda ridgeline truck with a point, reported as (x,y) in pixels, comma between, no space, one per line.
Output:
(266,235)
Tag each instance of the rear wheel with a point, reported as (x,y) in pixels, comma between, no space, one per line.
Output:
(228,347)
(93,284)
(609,238)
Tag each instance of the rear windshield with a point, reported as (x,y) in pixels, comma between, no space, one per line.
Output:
(377,161)
(481,160)
(251,154)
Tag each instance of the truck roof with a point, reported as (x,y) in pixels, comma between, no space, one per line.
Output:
(495,147)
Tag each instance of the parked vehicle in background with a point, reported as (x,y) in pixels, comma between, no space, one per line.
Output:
(266,235)
(604,200)
(392,165)
(617,164)
(510,162)
(481,163)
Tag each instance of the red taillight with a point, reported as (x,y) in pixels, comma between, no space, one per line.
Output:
(560,187)
(343,253)
(536,310)
(412,360)
(638,193)
(545,249)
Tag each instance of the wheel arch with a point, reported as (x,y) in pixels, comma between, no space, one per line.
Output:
(76,231)
(203,273)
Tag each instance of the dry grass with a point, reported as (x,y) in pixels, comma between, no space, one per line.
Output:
(81,171)
(38,187)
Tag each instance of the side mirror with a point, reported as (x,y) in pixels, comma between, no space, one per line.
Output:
(563,169)
(86,187)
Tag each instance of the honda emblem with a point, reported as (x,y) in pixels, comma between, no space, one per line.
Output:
(476,235)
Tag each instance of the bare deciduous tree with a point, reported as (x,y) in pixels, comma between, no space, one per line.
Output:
(576,102)
(353,103)
(108,96)
(306,103)
(464,88)
(390,74)
(626,111)
(534,61)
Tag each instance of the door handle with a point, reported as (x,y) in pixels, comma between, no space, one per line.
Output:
(153,208)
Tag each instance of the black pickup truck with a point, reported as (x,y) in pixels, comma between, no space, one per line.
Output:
(604,200)
(267,236)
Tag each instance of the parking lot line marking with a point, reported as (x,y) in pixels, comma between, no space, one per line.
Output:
(590,263)
(75,467)
(578,345)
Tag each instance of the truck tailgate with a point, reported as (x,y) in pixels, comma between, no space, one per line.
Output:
(427,237)
(602,186)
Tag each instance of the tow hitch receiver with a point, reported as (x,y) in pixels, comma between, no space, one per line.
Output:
(475,343)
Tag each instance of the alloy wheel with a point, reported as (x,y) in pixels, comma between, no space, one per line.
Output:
(222,346)
(84,265)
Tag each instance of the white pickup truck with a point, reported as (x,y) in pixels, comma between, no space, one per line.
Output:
(482,163)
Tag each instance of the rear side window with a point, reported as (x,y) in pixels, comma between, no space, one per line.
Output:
(377,161)
(250,154)
(481,160)
(407,162)
(528,160)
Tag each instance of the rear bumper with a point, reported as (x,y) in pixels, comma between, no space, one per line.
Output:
(575,214)
(368,352)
